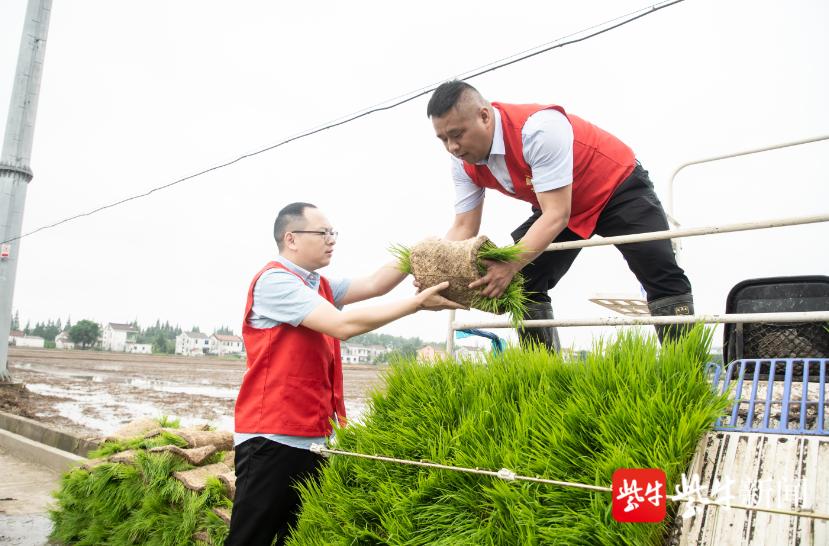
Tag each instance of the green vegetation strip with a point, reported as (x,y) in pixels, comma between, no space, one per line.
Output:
(627,405)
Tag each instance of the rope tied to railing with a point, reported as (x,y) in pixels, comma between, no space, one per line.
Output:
(509,475)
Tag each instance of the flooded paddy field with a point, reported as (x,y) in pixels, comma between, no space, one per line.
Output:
(90,393)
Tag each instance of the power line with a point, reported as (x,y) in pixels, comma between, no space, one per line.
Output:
(569,39)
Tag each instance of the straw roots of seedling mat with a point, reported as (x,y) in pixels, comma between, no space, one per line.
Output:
(629,404)
(434,261)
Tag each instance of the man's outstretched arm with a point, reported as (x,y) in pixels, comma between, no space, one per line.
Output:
(466,224)
(342,325)
(377,284)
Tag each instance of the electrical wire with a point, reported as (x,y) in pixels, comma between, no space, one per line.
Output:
(606,26)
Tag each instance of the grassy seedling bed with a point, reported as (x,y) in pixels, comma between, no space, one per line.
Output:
(137,503)
(628,405)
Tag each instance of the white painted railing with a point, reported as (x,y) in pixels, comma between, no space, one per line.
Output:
(804,316)
(676,233)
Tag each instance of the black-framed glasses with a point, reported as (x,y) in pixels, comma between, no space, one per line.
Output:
(329,235)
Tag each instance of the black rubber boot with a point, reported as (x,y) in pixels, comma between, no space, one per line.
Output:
(548,335)
(672,306)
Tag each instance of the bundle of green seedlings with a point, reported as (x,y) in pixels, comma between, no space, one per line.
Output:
(138,503)
(627,405)
(513,301)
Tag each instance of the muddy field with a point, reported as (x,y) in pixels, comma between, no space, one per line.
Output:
(93,393)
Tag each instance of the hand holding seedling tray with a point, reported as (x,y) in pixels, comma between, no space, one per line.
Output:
(434,261)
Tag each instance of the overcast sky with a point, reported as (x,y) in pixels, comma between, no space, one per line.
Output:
(137,94)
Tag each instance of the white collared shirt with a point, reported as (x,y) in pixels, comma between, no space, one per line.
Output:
(548,150)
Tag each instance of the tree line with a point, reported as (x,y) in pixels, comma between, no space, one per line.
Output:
(86,333)
(162,335)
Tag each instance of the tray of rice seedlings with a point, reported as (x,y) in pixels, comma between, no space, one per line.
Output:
(627,405)
(434,261)
(168,486)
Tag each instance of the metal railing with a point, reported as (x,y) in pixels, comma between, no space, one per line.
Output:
(672,234)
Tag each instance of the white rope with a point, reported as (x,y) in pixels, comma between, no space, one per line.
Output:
(804,316)
(689,232)
(508,475)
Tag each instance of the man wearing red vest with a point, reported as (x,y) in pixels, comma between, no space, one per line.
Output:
(579,180)
(293,385)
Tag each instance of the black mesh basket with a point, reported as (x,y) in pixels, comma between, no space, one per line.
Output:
(778,340)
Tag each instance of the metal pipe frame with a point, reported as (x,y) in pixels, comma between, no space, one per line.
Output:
(806,316)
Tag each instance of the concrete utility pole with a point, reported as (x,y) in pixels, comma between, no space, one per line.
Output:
(15,173)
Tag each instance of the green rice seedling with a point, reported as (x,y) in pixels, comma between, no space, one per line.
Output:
(509,253)
(628,404)
(513,301)
(403,255)
(137,503)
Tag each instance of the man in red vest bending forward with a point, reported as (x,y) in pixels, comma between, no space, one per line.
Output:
(293,386)
(579,180)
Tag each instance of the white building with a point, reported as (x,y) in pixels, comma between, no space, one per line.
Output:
(223,344)
(375,351)
(353,353)
(62,341)
(30,341)
(192,344)
(116,336)
(14,335)
(474,354)
(138,348)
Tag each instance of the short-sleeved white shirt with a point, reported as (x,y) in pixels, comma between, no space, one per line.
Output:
(547,137)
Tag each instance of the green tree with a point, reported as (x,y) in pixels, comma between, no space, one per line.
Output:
(161,344)
(16,320)
(85,333)
(46,330)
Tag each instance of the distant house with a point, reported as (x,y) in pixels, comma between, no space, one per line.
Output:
(30,341)
(62,341)
(429,353)
(475,354)
(116,336)
(138,348)
(375,351)
(14,335)
(223,344)
(353,353)
(192,344)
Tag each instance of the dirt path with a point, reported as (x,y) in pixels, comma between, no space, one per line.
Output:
(93,393)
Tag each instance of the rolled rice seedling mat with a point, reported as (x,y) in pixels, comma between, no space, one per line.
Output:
(434,261)
(155,495)
(629,404)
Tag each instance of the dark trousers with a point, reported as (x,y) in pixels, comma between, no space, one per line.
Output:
(267,503)
(633,208)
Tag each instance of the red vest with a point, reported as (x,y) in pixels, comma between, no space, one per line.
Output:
(600,163)
(294,379)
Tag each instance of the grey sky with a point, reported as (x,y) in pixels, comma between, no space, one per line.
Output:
(136,94)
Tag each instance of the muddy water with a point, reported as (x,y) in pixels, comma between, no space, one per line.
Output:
(92,394)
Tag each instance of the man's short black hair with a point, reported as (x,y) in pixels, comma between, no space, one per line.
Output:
(446,96)
(286,217)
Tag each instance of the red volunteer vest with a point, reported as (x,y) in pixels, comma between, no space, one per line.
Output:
(294,378)
(600,163)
